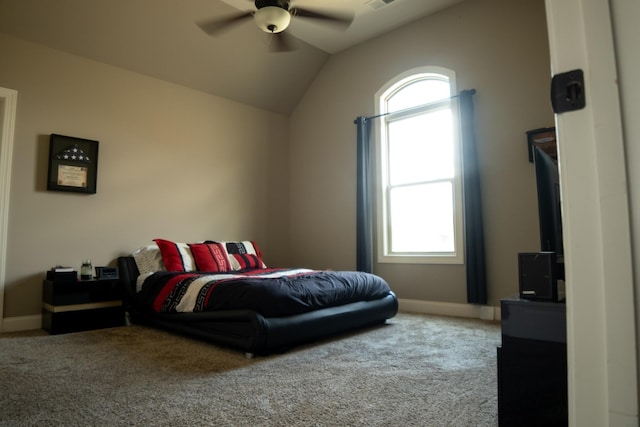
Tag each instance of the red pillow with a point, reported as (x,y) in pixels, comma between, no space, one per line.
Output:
(175,256)
(210,257)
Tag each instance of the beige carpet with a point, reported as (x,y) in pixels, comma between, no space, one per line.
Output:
(415,371)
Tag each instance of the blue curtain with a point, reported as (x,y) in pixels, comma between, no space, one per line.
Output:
(473,222)
(364,215)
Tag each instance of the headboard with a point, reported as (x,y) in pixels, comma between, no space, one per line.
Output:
(128,271)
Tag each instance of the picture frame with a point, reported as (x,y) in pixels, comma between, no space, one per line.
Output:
(73,164)
(544,138)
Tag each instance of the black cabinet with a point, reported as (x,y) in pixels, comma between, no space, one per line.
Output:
(532,364)
(73,306)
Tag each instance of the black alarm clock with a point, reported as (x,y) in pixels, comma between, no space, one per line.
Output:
(105,273)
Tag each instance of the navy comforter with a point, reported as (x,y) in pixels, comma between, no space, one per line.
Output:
(270,292)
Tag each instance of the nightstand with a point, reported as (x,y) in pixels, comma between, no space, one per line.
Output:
(73,306)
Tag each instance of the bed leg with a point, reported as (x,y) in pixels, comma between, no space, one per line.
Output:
(127,318)
(249,355)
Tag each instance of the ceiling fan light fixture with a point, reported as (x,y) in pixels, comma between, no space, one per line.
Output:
(272,19)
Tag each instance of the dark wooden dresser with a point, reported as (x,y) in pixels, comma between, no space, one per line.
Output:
(532,364)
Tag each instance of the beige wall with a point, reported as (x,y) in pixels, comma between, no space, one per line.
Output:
(173,163)
(498,47)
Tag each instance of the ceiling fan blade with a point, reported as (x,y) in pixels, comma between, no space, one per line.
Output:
(343,19)
(216,25)
(282,42)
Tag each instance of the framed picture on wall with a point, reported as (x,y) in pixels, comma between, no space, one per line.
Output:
(544,138)
(73,164)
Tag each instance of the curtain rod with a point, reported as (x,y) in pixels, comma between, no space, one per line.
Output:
(472,91)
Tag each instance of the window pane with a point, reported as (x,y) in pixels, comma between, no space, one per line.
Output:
(421,148)
(422,218)
(418,93)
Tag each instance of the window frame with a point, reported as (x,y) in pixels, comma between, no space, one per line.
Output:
(383,225)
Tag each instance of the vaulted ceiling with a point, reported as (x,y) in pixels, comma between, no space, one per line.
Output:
(161,39)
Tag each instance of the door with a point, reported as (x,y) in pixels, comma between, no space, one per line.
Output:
(8,100)
(601,336)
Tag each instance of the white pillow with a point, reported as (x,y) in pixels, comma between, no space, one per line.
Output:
(140,280)
(148,259)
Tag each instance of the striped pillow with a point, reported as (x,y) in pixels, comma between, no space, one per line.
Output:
(243,255)
(210,257)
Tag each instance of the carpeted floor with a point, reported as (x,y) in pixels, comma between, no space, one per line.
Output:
(417,370)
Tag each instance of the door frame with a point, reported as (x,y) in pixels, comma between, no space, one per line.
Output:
(8,105)
(601,335)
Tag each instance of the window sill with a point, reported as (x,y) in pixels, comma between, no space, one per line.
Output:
(421,259)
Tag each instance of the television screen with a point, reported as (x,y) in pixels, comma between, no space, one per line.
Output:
(549,204)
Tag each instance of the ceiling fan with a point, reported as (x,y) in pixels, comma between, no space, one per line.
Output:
(273,17)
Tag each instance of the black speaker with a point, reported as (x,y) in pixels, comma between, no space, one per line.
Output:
(538,278)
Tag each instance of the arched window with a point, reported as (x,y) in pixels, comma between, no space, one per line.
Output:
(419,169)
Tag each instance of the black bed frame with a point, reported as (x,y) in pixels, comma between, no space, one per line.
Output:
(249,331)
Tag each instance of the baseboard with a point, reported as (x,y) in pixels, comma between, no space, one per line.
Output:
(484,312)
(22,323)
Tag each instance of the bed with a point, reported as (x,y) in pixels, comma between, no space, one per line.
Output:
(224,293)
